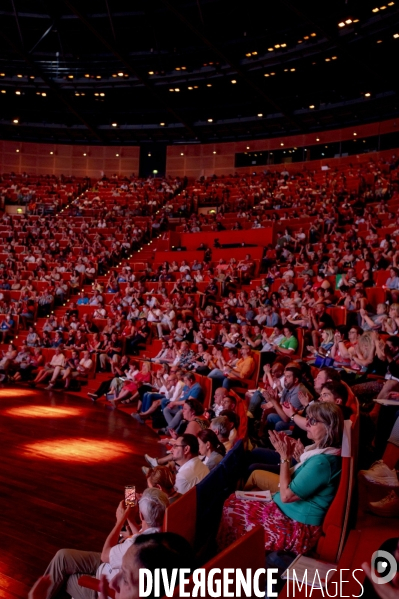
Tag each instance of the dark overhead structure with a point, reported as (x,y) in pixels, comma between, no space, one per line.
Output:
(193,71)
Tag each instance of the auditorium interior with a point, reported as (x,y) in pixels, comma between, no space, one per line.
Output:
(199,293)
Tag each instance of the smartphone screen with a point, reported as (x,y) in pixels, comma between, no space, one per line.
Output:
(130,495)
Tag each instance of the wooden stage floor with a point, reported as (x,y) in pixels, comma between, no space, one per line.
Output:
(64,464)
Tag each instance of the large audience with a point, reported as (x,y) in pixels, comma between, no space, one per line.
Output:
(283,353)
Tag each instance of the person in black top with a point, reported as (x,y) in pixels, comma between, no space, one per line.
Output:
(141,337)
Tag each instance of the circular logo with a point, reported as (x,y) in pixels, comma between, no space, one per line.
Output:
(385,565)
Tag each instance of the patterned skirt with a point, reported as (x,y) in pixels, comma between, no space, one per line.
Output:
(281,532)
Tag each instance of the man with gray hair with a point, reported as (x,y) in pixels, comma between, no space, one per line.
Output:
(69,564)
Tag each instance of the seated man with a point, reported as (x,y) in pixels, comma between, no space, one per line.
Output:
(68,564)
(192,470)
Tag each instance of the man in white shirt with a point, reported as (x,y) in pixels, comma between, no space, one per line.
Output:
(68,564)
(185,454)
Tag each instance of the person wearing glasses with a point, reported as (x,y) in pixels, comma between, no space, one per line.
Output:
(302,494)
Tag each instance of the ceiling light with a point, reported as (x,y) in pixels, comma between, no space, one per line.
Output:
(355,134)
(305,37)
(248,54)
(150,72)
(317,139)
(382,7)
(190,87)
(210,120)
(254,53)
(171,89)
(2,74)
(185,68)
(391,3)
(327,59)
(266,75)
(214,152)
(15,121)
(149,154)
(84,154)
(18,93)
(380,41)
(283,45)
(87,75)
(70,76)
(311,106)
(367,95)
(209,85)
(355,20)
(44,94)
(375,10)
(260,115)
(292,70)
(247,147)
(271,49)
(3,91)
(272,74)
(333,58)
(19,76)
(396,35)
(51,152)
(98,76)
(277,46)
(299,41)
(114,124)
(102,94)
(348,21)
(77,94)
(177,68)
(233,81)
(17,151)
(162,124)
(117,155)
(181,153)
(313,35)
(120,74)
(281,144)
(96,94)
(114,75)
(177,89)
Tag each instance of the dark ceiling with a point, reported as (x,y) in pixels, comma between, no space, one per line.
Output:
(125,72)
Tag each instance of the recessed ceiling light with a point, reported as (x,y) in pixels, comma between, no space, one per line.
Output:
(375,10)
(248,54)
(300,42)
(70,76)
(183,68)
(396,35)
(333,58)
(102,94)
(190,87)
(271,49)
(272,74)
(98,76)
(355,134)
(51,152)
(281,144)
(181,153)
(44,94)
(210,120)
(150,72)
(3,91)
(277,46)
(292,70)
(266,75)
(2,74)
(317,139)
(348,21)
(209,85)
(382,7)
(260,115)
(177,89)
(305,37)
(18,93)
(114,124)
(117,155)
(120,74)
(254,53)
(247,147)
(327,59)
(367,94)
(313,35)
(283,45)
(84,154)
(355,20)
(19,76)
(87,75)
(214,152)
(233,81)
(177,68)
(17,151)
(162,124)
(15,121)
(311,106)
(391,3)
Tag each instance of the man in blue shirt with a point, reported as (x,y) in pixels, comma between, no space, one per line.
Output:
(173,411)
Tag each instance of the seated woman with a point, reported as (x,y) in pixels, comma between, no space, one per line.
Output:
(327,341)
(293,519)
(211,449)
(129,391)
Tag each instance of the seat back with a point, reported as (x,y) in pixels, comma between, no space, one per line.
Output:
(335,525)
(180,516)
